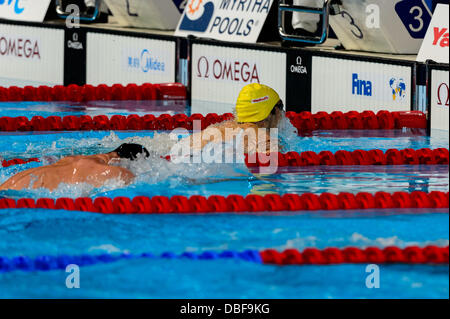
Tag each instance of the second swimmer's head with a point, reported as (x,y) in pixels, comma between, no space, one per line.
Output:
(131,151)
(256,103)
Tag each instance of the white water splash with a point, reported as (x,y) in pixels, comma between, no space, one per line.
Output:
(361,240)
(357,240)
(106,248)
(148,171)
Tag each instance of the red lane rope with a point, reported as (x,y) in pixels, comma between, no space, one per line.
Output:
(304,122)
(352,255)
(75,93)
(237,203)
(103,123)
(367,120)
(18,161)
(423,156)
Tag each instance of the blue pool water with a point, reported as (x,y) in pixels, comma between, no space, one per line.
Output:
(33,233)
(40,232)
(93,108)
(159,177)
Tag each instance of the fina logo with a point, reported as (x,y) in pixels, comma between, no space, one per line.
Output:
(146,62)
(398,87)
(361,87)
(17,8)
(198,15)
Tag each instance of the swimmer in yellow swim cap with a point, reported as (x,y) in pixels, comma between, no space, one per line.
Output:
(258,107)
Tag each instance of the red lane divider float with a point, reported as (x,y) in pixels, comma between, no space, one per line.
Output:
(352,255)
(304,122)
(104,123)
(423,156)
(237,203)
(75,93)
(18,161)
(367,120)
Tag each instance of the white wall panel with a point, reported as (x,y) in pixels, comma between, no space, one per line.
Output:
(439,100)
(31,56)
(333,86)
(219,73)
(115,59)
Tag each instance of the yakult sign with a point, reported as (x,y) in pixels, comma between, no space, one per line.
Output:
(227,20)
(436,43)
(218,78)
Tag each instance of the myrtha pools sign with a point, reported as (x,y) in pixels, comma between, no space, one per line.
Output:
(227,20)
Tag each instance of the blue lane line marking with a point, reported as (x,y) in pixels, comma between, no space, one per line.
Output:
(48,263)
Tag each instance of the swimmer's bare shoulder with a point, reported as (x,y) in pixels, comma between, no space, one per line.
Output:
(41,176)
(72,169)
(96,170)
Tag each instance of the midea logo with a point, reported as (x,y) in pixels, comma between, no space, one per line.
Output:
(146,62)
(17,8)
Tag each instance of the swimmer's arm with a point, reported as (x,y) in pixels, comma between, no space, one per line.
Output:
(198,140)
(20,180)
(127,176)
(4,186)
(122,173)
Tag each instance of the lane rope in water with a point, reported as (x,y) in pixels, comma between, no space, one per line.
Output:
(408,156)
(18,161)
(430,255)
(367,120)
(236,203)
(102,92)
(423,156)
(303,122)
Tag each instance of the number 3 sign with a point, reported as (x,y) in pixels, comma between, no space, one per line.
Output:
(415,15)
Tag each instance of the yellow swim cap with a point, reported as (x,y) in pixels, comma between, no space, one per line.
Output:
(255,102)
